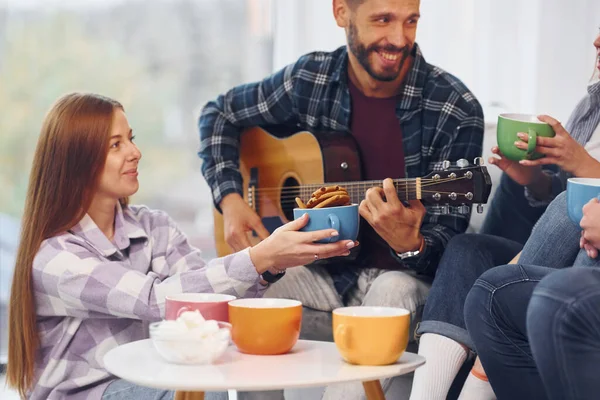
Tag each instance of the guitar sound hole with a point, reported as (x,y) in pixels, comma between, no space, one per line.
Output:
(289,192)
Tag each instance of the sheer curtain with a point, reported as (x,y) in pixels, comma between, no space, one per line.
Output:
(523,56)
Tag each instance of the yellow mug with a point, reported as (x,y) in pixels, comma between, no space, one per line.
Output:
(371,335)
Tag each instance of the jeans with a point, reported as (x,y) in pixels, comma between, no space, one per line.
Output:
(468,256)
(121,389)
(563,322)
(510,216)
(537,330)
(554,241)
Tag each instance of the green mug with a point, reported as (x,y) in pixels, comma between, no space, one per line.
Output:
(511,124)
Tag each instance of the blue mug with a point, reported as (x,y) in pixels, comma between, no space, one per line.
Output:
(579,192)
(344,219)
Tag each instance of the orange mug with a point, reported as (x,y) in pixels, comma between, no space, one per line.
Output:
(371,335)
(265,326)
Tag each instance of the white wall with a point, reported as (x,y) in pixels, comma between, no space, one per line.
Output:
(302,26)
(526,55)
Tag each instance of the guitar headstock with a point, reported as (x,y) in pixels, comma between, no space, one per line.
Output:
(458,185)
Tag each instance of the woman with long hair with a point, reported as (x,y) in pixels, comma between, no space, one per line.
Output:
(92,270)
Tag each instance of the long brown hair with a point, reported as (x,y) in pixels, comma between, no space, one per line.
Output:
(69,158)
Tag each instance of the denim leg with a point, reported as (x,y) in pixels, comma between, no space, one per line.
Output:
(121,389)
(466,257)
(509,215)
(554,241)
(495,315)
(563,325)
(583,260)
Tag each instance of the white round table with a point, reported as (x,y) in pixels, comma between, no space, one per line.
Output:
(310,363)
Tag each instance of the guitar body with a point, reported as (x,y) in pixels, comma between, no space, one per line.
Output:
(276,171)
(273,170)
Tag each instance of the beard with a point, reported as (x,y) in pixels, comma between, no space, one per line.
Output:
(362,53)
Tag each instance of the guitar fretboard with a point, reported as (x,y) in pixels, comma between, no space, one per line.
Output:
(407,189)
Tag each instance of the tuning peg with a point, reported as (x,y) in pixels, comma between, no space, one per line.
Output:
(462,163)
(479,208)
(464,209)
(445,209)
(478,161)
(446,164)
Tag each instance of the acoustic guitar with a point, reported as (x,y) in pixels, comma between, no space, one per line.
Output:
(275,171)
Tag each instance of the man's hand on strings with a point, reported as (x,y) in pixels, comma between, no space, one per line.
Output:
(398,225)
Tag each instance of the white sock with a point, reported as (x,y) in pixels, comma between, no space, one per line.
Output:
(444,357)
(476,388)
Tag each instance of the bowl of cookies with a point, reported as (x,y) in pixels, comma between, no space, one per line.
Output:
(330,207)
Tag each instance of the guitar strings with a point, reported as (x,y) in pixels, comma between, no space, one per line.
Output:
(297,189)
(408,193)
(409,189)
(291,199)
(424,182)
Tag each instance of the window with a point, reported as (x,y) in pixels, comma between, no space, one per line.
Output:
(163,59)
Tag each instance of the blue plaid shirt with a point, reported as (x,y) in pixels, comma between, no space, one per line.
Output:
(439,117)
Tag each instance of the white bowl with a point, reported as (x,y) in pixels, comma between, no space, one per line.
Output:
(191,350)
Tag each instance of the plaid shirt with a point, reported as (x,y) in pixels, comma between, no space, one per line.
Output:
(439,117)
(93,295)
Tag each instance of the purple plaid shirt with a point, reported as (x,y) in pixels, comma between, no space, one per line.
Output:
(93,295)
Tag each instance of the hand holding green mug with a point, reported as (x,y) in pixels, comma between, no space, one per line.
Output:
(556,147)
(562,150)
(514,147)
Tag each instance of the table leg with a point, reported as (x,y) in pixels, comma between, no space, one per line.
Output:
(373,390)
(189,395)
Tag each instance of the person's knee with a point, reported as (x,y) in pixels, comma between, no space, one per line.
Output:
(395,289)
(578,287)
(464,242)
(502,274)
(289,285)
(475,305)
(562,300)
(561,280)
(279,291)
(478,303)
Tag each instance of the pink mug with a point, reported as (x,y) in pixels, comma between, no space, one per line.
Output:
(211,305)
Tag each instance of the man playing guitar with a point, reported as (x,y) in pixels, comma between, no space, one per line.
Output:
(407,116)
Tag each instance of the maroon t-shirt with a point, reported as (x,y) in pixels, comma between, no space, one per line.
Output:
(376,129)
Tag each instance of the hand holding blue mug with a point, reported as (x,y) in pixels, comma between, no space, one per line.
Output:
(344,219)
(590,225)
(579,192)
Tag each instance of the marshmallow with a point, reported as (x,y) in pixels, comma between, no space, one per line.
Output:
(190,339)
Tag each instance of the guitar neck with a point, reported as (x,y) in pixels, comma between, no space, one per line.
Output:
(407,189)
